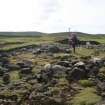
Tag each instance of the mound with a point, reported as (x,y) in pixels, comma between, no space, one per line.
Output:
(81,42)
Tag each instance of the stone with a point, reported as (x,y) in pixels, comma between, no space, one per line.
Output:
(58,71)
(6,78)
(12,67)
(101,85)
(4,61)
(53,49)
(64,63)
(93,71)
(67,51)
(37,51)
(25,64)
(2,70)
(45,77)
(76,74)
(79,64)
(47,66)
(4,54)
(41,99)
(95,59)
(27,70)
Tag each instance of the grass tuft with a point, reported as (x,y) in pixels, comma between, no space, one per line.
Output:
(87,96)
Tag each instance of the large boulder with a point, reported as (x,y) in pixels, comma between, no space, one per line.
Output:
(58,71)
(53,49)
(80,65)
(76,74)
(49,72)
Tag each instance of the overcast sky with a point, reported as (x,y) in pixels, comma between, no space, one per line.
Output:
(52,15)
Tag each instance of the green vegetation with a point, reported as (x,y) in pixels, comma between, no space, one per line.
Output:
(14,76)
(8,43)
(86,83)
(11,42)
(87,96)
(98,38)
(84,92)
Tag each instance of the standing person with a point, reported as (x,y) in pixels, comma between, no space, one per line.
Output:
(73,41)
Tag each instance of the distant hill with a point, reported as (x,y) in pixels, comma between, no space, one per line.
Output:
(67,33)
(35,33)
(31,33)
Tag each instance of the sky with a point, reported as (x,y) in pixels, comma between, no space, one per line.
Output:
(53,15)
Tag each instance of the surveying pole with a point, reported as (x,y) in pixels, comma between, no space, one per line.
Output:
(69,31)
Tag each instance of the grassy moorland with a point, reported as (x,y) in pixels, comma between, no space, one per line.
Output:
(58,89)
(11,42)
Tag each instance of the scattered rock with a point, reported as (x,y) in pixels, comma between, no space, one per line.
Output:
(96,60)
(27,70)
(100,87)
(64,63)
(2,71)
(47,66)
(53,49)
(80,64)
(101,103)
(12,67)
(6,78)
(58,71)
(55,83)
(76,74)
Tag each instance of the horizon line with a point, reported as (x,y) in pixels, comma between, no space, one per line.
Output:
(49,32)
